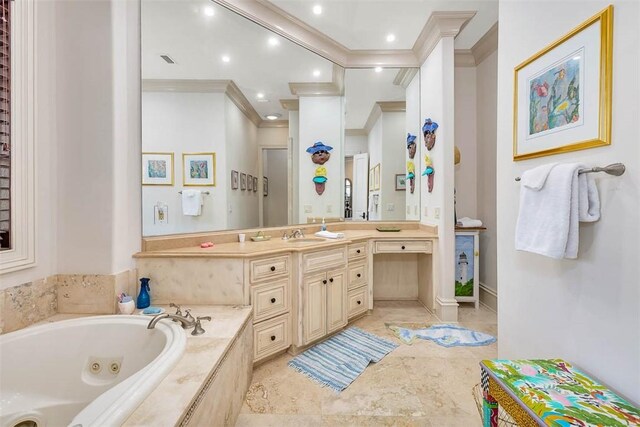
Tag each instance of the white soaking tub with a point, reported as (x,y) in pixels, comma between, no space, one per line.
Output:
(91,371)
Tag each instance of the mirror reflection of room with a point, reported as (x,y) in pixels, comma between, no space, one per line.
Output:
(225,147)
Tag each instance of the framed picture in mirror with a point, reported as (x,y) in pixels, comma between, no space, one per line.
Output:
(249,183)
(371,181)
(199,169)
(265,186)
(243,181)
(234,180)
(255,184)
(376,176)
(157,168)
(401,182)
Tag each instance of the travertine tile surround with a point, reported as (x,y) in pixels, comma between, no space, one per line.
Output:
(29,303)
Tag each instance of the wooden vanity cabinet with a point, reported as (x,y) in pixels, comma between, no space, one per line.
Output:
(324,308)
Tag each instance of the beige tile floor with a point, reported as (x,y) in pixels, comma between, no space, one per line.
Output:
(422,384)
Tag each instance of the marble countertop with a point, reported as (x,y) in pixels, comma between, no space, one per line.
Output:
(202,355)
(276,245)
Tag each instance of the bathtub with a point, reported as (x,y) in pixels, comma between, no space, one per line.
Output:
(91,371)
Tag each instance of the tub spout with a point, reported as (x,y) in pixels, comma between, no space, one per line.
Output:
(187,323)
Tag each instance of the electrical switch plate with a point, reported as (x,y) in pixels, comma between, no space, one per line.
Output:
(437,213)
(391,207)
(160,214)
(329,208)
(308,208)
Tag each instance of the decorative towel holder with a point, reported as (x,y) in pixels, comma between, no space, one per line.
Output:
(615,169)
(204,192)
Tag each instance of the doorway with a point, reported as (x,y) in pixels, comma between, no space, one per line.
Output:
(274,185)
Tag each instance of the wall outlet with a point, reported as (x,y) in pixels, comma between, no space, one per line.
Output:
(329,208)
(391,207)
(308,208)
(437,213)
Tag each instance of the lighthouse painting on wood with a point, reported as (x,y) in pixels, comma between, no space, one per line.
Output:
(464,266)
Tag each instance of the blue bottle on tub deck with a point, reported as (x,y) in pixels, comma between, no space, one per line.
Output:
(144,300)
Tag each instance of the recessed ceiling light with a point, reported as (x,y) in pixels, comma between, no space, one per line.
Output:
(260,95)
(316,73)
(209,11)
(274,116)
(391,37)
(225,58)
(378,69)
(317,9)
(273,41)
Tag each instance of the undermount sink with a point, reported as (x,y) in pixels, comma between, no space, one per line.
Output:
(306,240)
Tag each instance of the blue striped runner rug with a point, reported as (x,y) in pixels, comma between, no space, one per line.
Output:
(338,361)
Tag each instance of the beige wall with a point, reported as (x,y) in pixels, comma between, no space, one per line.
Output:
(466,117)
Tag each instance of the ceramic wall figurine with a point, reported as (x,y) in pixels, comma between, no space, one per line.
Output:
(429,132)
(411,175)
(319,179)
(319,153)
(429,171)
(411,145)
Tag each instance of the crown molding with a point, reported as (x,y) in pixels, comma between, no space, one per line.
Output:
(273,18)
(290,104)
(464,58)
(274,124)
(486,45)
(228,87)
(439,25)
(355,132)
(333,88)
(405,76)
(383,107)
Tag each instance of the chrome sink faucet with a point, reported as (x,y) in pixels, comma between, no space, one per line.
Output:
(297,234)
(187,322)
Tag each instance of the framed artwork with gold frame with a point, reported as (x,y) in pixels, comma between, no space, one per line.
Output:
(562,94)
(199,169)
(372,186)
(376,176)
(157,169)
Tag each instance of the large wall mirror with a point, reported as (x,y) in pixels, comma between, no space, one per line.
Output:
(242,128)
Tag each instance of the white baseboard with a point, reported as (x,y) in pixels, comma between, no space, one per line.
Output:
(488,297)
(447,309)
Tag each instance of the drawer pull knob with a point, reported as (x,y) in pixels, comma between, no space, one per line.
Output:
(273,267)
(273,337)
(324,282)
(359,275)
(358,251)
(331,280)
(273,300)
(359,302)
(402,247)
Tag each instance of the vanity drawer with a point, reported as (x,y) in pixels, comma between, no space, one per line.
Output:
(271,336)
(357,275)
(357,301)
(270,299)
(357,250)
(323,260)
(400,246)
(267,268)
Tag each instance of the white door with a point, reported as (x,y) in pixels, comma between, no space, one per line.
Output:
(360,188)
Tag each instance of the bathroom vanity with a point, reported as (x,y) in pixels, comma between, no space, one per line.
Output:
(301,290)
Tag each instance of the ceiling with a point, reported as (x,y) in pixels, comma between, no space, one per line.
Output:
(196,34)
(365,24)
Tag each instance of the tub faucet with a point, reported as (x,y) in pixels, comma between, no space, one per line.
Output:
(187,322)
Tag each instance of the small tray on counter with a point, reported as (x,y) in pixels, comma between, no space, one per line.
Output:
(388,229)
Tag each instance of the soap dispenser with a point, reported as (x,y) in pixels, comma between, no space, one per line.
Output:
(144,300)
(323,227)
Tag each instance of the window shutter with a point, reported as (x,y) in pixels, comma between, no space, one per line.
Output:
(5,124)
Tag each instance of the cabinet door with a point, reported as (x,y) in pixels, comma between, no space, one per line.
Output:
(315,307)
(336,300)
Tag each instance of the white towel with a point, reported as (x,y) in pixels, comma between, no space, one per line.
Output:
(329,235)
(192,202)
(553,199)
(467,222)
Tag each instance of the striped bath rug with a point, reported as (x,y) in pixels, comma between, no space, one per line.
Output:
(338,361)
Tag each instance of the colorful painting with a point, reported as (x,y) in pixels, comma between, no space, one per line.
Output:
(401,182)
(562,94)
(561,395)
(554,96)
(199,169)
(157,168)
(464,265)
